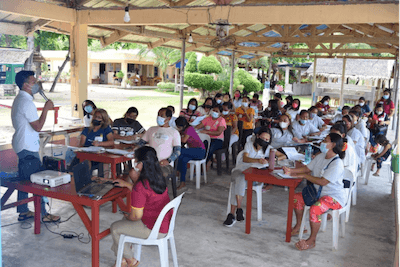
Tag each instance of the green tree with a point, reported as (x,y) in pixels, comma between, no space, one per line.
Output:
(14,41)
(163,56)
(209,65)
(204,82)
(191,65)
(250,83)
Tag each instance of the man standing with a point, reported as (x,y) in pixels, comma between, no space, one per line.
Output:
(25,140)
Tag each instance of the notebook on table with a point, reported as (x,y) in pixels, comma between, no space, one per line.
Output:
(85,186)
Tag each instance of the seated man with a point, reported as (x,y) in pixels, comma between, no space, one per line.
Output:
(165,140)
(128,128)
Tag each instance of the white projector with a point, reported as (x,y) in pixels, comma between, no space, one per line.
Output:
(51,178)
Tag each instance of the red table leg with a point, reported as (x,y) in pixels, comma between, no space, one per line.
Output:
(55,115)
(248,206)
(290,214)
(114,170)
(37,200)
(95,236)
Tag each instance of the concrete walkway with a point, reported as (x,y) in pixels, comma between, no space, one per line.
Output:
(202,240)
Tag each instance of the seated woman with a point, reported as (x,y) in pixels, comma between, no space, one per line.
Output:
(359,124)
(149,196)
(304,128)
(323,105)
(289,101)
(128,128)
(294,110)
(270,116)
(357,137)
(254,154)
(246,115)
(99,133)
(365,109)
(88,110)
(315,119)
(195,149)
(256,104)
(214,126)
(282,135)
(327,171)
(227,98)
(218,99)
(205,109)
(383,155)
(230,120)
(191,112)
(338,117)
(237,99)
(378,123)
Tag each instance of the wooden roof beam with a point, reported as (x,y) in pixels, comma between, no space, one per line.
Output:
(158,43)
(31,27)
(182,3)
(114,37)
(313,14)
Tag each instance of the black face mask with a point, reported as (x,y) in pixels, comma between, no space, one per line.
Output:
(262,143)
(96,122)
(129,120)
(208,106)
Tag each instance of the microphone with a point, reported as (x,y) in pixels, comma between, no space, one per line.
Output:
(43,95)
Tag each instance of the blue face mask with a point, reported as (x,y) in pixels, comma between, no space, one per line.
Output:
(219,101)
(35,88)
(386,97)
(303,121)
(323,148)
(313,115)
(192,107)
(160,121)
(88,109)
(215,115)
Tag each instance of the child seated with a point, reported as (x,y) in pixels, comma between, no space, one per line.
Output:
(383,155)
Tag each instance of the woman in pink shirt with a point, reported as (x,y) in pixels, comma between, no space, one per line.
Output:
(195,147)
(214,125)
(149,196)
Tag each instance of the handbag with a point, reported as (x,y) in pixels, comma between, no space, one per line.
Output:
(381,128)
(310,194)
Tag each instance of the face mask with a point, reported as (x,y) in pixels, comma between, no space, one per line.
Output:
(35,88)
(215,115)
(134,165)
(384,96)
(323,148)
(192,107)
(282,104)
(262,143)
(326,103)
(355,122)
(129,120)
(245,104)
(283,124)
(208,106)
(303,121)
(295,105)
(379,112)
(219,101)
(313,115)
(361,104)
(96,122)
(160,121)
(269,108)
(225,112)
(88,109)
(237,95)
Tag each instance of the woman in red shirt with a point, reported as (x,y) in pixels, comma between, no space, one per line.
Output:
(323,105)
(149,196)
(386,101)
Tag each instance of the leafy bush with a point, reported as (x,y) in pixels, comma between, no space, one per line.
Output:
(199,81)
(191,65)
(209,65)
(226,84)
(250,83)
(165,86)
(216,86)
(120,75)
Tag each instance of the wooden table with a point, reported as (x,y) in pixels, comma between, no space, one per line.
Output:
(265,176)
(7,103)
(68,193)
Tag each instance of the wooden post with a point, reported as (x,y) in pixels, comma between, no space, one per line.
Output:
(124,69)
(314,82)
(31,47)
(182,74)
(176,78)
(396,94)
(232,73)
(342,83)
(79,55)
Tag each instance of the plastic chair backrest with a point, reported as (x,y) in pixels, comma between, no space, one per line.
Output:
(206,139)
(240,128)
(173,204)
(227,137)
(348,175)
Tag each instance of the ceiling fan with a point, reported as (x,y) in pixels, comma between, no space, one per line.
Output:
(285,50)
(222,32)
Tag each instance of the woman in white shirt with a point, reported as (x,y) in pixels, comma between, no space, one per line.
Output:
(237,100)
(327,171)
(294,110)
(205,109)
(88,110)
(357,137)
(254,154)
(315,119)
(283,135)
(360,125)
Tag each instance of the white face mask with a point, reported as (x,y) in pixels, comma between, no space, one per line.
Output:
(326,103)
(313,115)
(269,108)
(283,124)
(134,165)
(225,112)
(361,104)
(215,115)
(245,104)
(160,121)
(379,112)
(192,107)
(219,101)
(35,88)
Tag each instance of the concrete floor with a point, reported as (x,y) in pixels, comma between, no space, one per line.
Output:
(202,240)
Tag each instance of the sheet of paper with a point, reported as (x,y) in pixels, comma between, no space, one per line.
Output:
(280,173)
(92,149)
(292,153)
(127,141)
(197,120)
(122,152)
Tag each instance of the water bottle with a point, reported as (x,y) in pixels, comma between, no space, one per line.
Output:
(271,161)
(308,154)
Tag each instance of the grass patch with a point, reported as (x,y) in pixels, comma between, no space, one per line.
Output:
(177,93)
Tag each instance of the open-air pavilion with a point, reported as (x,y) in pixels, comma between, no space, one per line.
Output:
(256,28)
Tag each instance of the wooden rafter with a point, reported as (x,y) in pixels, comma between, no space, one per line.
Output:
(114,37)
(158,43)
(182,3)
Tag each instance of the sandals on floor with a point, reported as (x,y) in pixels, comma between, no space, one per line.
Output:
(302,245)
(25,216)
(125,264)
(48,218)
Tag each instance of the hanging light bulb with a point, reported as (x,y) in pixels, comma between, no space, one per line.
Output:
(308,56)
(127,18)
(190,38)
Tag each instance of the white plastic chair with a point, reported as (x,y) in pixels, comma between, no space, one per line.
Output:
(258,190)
(337,216)
(387,162)
(162,243)
(199,163)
